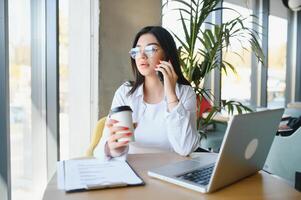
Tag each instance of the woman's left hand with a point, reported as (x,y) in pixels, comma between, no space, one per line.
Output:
(170,79)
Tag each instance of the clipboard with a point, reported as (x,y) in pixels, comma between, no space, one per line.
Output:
(91,174)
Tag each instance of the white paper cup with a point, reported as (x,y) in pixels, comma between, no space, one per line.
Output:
(123,114)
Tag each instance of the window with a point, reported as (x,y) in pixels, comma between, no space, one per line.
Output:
(64,77)
(27,104)
(33,63)
(237,86)
(277,42)
(170,19)
(257,85)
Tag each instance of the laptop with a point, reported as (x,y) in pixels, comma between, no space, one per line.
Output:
(243,152)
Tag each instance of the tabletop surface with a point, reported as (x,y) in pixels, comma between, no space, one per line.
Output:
(258,186)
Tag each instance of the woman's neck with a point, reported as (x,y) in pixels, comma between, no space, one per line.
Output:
(153,90)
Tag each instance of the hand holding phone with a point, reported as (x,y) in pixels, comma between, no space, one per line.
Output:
(170,82)
(159,74)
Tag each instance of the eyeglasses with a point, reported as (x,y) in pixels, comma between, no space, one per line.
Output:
(149,51)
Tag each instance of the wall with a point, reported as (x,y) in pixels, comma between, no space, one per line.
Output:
(119,22)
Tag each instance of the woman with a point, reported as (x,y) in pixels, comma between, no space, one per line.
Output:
(164,105)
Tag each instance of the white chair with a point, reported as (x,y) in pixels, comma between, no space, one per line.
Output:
(284,158)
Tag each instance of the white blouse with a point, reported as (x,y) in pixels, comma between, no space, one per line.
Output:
(156,126)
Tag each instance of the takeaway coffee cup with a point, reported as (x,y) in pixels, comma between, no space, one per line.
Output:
(123,114)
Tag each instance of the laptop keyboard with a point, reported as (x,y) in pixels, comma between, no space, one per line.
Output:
(199,176)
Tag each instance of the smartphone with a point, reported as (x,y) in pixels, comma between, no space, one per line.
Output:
(159,74)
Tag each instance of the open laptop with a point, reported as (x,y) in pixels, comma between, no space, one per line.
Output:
(243,152)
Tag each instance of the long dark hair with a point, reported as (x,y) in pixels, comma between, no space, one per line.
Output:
(168,45)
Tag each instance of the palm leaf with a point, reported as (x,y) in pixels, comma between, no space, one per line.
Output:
(198,61)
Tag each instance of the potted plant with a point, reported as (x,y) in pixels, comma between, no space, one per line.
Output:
(201,49)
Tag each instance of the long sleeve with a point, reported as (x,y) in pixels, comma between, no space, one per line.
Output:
(158,128)
(99,152)
(181,124)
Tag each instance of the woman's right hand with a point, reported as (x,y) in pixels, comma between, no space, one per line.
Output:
(113,147)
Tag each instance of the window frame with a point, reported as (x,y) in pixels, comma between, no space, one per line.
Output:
(258,71)
(297,83)
(5,171)
(52,85)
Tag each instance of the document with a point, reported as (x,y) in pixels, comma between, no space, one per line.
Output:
(90,174)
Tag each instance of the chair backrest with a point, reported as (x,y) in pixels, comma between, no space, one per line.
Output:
(97,133)
(284,158)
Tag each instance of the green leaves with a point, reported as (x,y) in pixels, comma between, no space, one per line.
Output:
(201,49)
(231,106)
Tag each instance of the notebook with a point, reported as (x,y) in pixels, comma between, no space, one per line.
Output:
(88,174)
(243,152)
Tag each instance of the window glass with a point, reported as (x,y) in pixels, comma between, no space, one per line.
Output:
(237,86)
(277,54)
(64,78)
(28,157)
(170,19)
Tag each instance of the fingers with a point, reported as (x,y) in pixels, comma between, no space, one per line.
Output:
(171,67)
(117,133)
(167,66)
(115,129)
(116,145)
(115,137)
(111,122)
(113,140)
(161,69)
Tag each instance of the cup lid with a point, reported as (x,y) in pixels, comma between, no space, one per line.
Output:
(120,109)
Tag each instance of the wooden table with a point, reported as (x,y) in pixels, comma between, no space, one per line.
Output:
(259,186)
